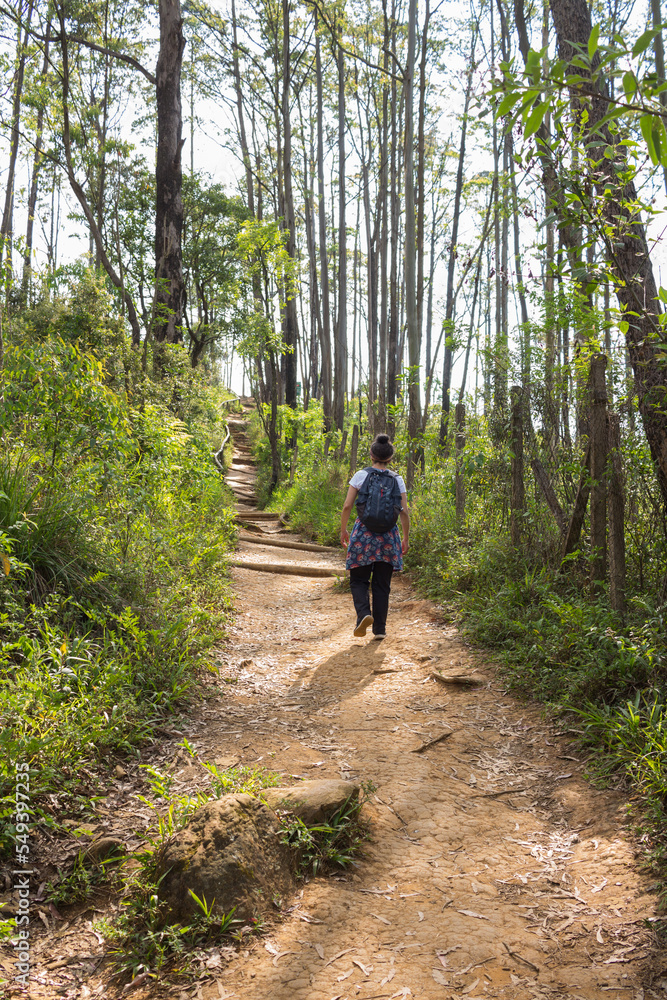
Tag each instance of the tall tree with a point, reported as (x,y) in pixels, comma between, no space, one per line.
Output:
(453,253)
(624,235)
(290,326)
(340,360)
(414,342)
(170,287)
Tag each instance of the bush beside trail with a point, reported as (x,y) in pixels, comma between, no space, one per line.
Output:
(114,523)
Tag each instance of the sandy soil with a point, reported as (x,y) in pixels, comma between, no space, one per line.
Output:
(493,868)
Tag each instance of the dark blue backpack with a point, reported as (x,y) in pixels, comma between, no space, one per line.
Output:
(379,501)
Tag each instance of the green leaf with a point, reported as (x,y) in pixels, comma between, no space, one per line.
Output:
(593,40)
(644,41)
(662,294)
(629,85)
(508,103)
(535,119)
(660,140)
(623,326)
(646,125)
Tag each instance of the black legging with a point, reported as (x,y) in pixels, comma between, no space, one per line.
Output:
(380,582)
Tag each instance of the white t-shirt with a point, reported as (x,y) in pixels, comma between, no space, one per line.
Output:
(359,477)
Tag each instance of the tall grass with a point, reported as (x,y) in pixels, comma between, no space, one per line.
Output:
(114,524)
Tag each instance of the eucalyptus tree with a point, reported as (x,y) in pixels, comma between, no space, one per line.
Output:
(23,17)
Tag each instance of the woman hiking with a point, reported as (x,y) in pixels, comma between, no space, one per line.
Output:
(374,549)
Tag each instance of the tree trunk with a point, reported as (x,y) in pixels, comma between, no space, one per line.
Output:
(327,402)
(245,151)
(421,171)
(6,226)
(37,161)
(290,326)
(383,153)
(393,331)
(414,413)
(340,360)
(459,480)
(170,288)
(518,500)
(451,264)
(599,445)
(616,516)
(628,251)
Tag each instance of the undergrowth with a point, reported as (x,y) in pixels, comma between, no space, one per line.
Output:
(114,524)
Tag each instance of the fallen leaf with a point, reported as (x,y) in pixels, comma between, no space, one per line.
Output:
(345,975)
(337,956)
(420,915)
(388,978)
(471,913)
(470,988)
(271,948)
(383,920)
(320,950)
(598,936)
(281,954)
(447,951)
(439,977)
(366,969)
(137,982)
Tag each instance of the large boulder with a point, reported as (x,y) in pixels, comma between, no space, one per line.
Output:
(312,801)
(230,852)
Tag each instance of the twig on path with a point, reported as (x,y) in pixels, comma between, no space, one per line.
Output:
(337,956)
(431,743)
(385,670)
(462,680)
(519,958)
(495,795)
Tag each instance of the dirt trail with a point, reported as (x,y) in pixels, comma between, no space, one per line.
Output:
(493,869)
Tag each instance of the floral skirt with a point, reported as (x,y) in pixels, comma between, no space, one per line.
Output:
(366,547)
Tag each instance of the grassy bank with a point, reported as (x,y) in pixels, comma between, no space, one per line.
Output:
(114,524)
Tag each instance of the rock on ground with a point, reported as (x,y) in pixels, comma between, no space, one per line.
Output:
(230,852)
(312,801)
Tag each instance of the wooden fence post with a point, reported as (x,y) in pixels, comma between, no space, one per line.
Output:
(354,448)
(518,499)
(459,481)
(616,501)
(599,444)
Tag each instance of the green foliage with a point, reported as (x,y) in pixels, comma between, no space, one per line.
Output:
(114,523)
(328,845)
(630,740)
(141,940)
(85,878)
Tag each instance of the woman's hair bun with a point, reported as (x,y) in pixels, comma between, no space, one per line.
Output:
(382,449)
